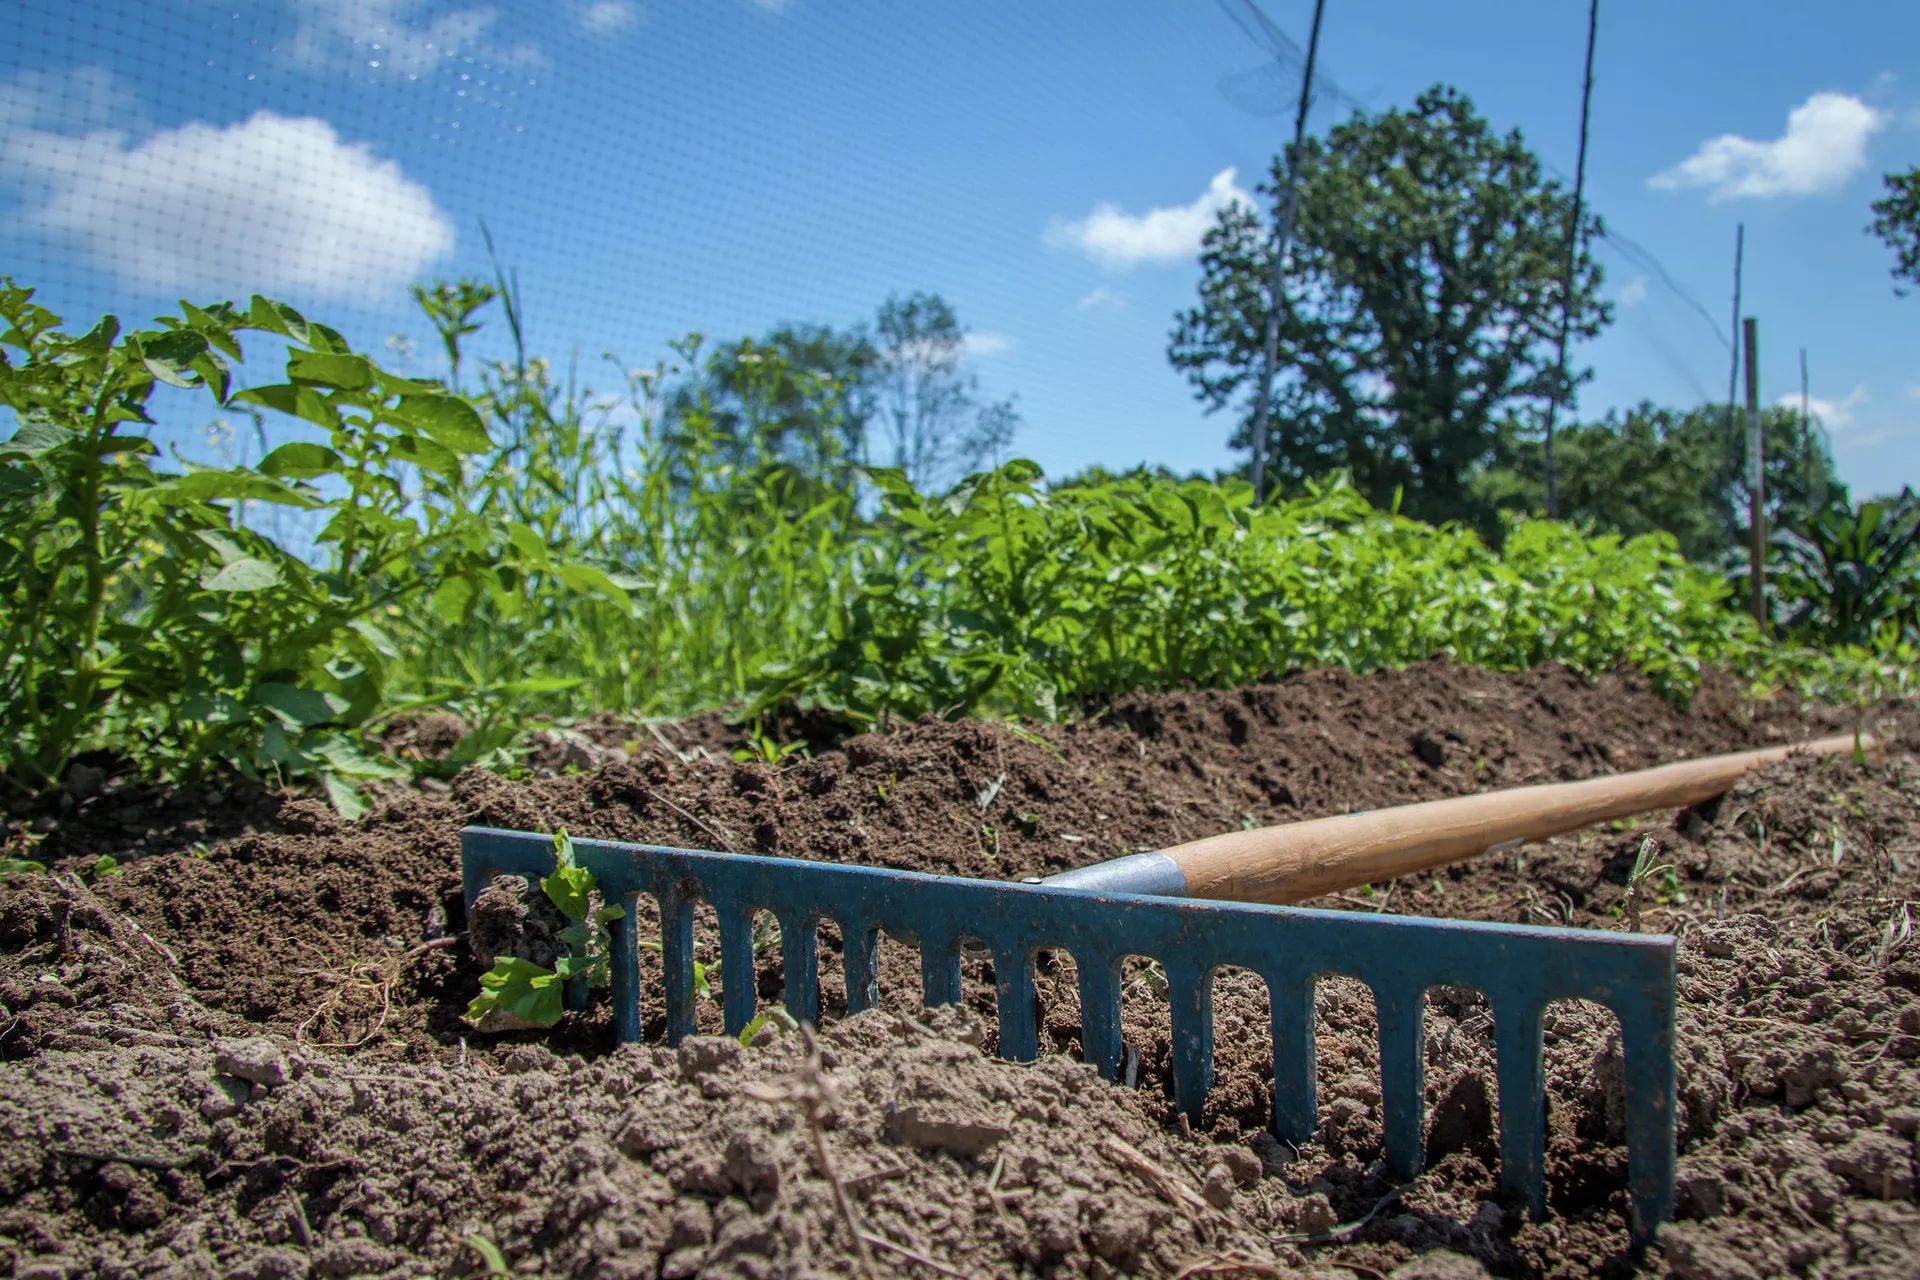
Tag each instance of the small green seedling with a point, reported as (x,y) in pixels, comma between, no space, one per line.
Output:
(1028,735)
(989,840)
(763,748)
(490,1255)
(21,866)
(531,993)
(772,1015)
(106,865)
(1643,875)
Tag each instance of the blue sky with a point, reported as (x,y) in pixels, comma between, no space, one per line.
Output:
(724,165)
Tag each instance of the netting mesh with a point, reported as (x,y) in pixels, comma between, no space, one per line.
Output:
(653,169)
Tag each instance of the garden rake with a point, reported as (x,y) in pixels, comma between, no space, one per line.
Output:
(1156,906)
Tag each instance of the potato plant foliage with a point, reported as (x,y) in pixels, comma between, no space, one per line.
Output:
(141,612)
(525,545)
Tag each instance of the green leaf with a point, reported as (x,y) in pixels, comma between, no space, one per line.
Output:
(299,402)
(21,867)
(448,419)
(539,684)
(170,356)
(584,577)
(227,486)
(35,436)
(16,480)
(347,372)
(98,341)
(345,799)
(520,988)
(105,865)
(301,460)
(567,889)
(429,455)
(490,1255)
(224,545)
(453,598)
(249,574)
(531,546)
(772,1014)
(351,762)
(299,708)
(276,317)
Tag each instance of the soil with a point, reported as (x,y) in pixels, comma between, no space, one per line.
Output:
(244,1056)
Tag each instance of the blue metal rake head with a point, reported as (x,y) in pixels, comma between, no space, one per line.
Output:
(1519,969)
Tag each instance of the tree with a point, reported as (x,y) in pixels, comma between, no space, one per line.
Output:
(936,429)
(1897,221)
(802,397)
(1673,470)
(819,400)
(1418,321)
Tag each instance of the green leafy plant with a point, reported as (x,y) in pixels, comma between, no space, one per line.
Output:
(534,548)
(1847,576)
(530,993)
(142,610)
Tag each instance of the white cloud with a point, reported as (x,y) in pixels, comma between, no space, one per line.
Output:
(386,35)
(275,204)
(66,101)
(1834,415)
(604,17)
(1824,145)
(1103,298)
(1121,240)
(986,344)
(1633,292)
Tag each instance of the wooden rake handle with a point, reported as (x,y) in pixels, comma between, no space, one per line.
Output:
(1302,860)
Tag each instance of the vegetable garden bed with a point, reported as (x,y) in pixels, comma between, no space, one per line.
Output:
(246,1055)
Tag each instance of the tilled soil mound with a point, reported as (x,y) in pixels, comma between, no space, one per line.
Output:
(247,1059)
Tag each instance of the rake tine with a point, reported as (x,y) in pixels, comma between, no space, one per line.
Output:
(1100,1013)
(624,962)
(1523,1099)
(939,971)
(799,960)
(739,999)
(1646,1041)
(1294,1056)
(860,946)
(676,960)
(1016,1004)
(1190,989)
(1401,1010)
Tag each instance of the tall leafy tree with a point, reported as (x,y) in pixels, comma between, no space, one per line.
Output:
(1418,319)
(1678,471)
(932,422)
(1897,221)
(816,400)
(803,396)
